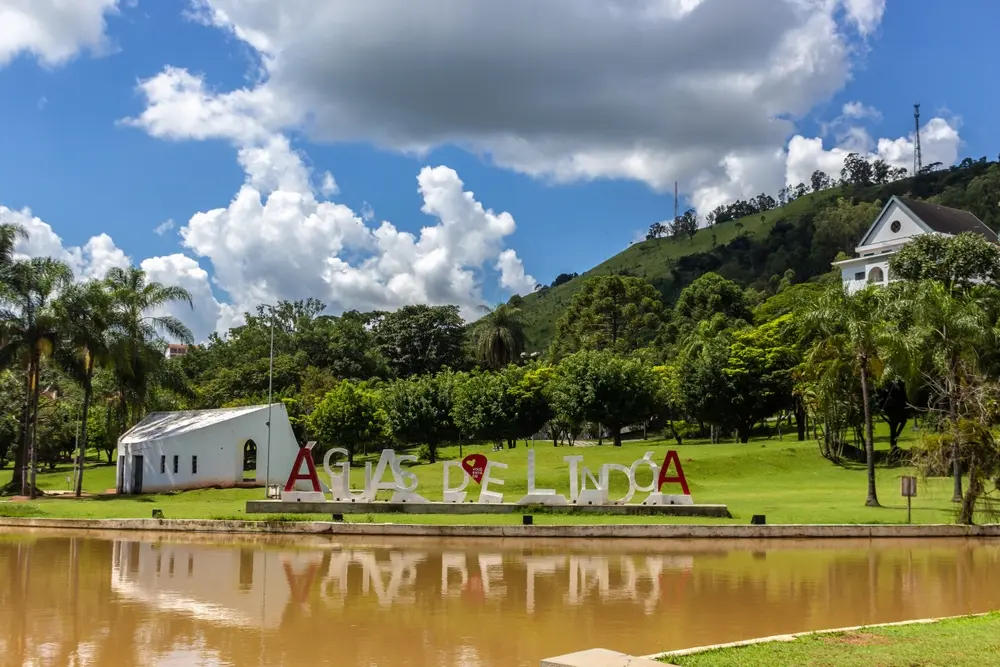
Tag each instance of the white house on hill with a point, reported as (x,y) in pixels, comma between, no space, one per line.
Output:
(900,221)
(193,449)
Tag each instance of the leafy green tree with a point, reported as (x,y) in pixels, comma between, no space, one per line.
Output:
(136,347)
(701,385)
(600,387)
(758,373)
(349,417)
(709,295)
(948,332)
(618,313)
(418,410)
(838,228)
(855,325)
(86,313)
(685,225)
(483,406)
(954,261)
(421,339)
(819,181)
(498,337)
(29,330)
(528,386)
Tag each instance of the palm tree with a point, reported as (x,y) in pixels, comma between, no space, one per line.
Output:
(854,325)
(88,319)
(136,347)
(499,336)
(29,330)
(948,331)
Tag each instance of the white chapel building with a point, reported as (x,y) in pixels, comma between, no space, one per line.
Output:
(900,221)
(192,449)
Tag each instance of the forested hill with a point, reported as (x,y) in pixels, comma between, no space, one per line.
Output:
(796,241)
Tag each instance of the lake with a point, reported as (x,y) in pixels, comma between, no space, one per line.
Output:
(159,599)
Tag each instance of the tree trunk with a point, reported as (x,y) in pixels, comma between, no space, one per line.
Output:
(616,431)
(34,429)
(896,430)
(956,462)
(800,420)
(743,433)
(967,515)
(87,393)
(17,484)
(872,500)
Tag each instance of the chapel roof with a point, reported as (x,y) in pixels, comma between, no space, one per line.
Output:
(947,220)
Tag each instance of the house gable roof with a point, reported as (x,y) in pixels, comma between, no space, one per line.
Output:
(947,220)
(932,218)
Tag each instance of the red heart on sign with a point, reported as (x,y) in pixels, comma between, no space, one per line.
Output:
(475,465)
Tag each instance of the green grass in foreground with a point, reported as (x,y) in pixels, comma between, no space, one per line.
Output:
(788,481)
(963,642)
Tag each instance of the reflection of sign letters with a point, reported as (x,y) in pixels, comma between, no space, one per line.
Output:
(388,475)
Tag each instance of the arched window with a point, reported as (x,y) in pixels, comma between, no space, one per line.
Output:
(876,275)
(249,460)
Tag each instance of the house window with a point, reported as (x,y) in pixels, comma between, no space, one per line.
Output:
(194,465)
(177,463)
(876,275)
(163,465)
(860,275)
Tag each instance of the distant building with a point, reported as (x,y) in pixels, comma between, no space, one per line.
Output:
(176,350)
(192,449)
(900,221)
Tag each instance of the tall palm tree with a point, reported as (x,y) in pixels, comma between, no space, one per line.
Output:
(499,336)
(29,330)
(137,345)
(854,324)
(948,331)
(89,322)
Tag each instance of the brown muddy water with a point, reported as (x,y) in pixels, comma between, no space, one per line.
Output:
(145,599)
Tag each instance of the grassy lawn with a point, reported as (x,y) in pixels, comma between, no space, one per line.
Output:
(964,642)
(787,481)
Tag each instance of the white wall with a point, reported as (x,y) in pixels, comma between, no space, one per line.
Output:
(883,231)
(219,448)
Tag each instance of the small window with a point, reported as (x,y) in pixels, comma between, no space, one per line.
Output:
(859,275)
(876,275)
(163,465)
(895,226)
(194,465)
(177,464)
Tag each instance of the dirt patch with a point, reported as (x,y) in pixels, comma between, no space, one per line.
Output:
(855,639)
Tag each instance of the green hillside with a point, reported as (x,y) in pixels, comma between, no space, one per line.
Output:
(758,250)
(654,260)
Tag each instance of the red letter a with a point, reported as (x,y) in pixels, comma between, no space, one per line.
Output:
(305,454)
(672,457)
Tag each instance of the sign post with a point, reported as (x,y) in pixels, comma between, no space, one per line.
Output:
(908,488)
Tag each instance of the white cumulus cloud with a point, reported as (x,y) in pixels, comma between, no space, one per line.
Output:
(627,89)
(91,260)
(52,30)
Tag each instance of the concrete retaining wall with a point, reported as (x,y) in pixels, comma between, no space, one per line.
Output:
(629,531)
(331,507)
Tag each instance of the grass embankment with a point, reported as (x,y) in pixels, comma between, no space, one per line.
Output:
(653,260)
(962,642)
(787,481)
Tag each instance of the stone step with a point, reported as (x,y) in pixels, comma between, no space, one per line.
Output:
(600,657)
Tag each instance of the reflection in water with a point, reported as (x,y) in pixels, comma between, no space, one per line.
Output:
(83,600)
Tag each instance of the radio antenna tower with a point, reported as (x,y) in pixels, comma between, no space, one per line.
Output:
(675,202)
(918,163)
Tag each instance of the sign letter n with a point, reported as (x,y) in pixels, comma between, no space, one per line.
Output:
(679,478)
(305,454)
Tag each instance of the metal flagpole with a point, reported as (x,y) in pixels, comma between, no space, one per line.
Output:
(270,385)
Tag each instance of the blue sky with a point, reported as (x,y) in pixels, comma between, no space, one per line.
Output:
(574,119)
